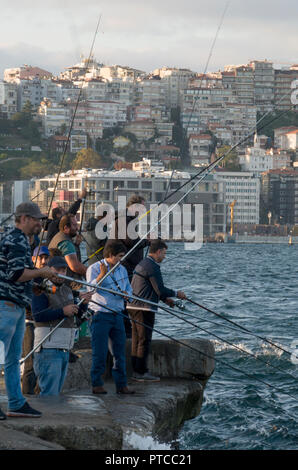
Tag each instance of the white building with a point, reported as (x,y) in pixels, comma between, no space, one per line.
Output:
(244,188)
(53,116)
(256,158)
(149,181)
(8,98)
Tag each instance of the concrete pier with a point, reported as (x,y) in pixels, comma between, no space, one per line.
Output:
(77,419)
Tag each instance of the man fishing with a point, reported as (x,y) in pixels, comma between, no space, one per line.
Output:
(106,325)
(63,240)
(147,283)
(52,357)
(16,276)
(40,259)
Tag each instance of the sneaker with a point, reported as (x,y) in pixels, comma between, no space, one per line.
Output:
(150,378)
(137,377)
(25,412)
(2,415)
(145,377)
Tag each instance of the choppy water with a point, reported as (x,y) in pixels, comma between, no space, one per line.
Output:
(257,287)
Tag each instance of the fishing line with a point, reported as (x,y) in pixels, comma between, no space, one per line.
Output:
(69,135)
(122,294)
(239,326)
(204,354)
(203,172)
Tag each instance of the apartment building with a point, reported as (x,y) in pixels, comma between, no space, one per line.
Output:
(285,138)
(200,149)
(8,99)
(279,192)
(244,188)
(263,84)
(151,91)
(175,80)
(53,117)
(149,180)
(282,89)
(26,72)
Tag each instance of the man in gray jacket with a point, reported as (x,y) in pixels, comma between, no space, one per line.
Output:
(147,283)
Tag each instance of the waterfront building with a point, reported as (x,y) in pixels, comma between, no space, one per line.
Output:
(279,191)
(149,179)
(244,188)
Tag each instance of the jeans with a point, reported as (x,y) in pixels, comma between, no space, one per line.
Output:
(105,327)
(12,327)
(141,339)
(50,366)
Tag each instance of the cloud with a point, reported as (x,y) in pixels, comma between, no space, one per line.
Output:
(147,34)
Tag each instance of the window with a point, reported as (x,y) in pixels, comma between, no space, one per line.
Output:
(132,184)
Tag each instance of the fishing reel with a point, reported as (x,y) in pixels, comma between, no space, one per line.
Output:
(179,304)
(82,315)
(45,286)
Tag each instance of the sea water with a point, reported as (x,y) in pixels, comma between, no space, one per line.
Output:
(255,286)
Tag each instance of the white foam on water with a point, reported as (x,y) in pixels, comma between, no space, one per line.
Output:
(221,346)
(135,441)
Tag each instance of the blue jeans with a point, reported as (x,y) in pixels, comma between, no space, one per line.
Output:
(105,327)
(12,328)
(50,366)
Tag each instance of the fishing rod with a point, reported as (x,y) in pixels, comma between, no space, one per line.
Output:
(69,132)
(203,173)
(201,352)
(172,312)
(246,330)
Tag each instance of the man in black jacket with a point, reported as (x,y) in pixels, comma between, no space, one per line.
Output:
(59,212)
(121,225)
(147,283)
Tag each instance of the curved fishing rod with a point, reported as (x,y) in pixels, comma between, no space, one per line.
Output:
(172,312)
(203,353)
(69,134)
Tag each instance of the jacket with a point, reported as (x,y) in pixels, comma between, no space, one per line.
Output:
(15,256)
(147,282)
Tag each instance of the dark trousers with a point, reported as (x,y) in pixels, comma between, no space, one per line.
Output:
(141,339)
(28,376)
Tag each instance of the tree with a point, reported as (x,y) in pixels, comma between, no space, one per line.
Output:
(87,158)
(37,169)
(231,161)
(275,120)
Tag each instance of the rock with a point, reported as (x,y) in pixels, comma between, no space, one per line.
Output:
(15,440)
(79,420)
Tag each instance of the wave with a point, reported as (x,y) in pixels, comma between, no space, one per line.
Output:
(135,441)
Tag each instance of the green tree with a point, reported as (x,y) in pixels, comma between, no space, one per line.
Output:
(275,120)
(231,161)
(87,158)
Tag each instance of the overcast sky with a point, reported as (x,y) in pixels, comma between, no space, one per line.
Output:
(147,34)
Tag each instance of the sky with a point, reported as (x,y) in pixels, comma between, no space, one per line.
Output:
(148,34)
